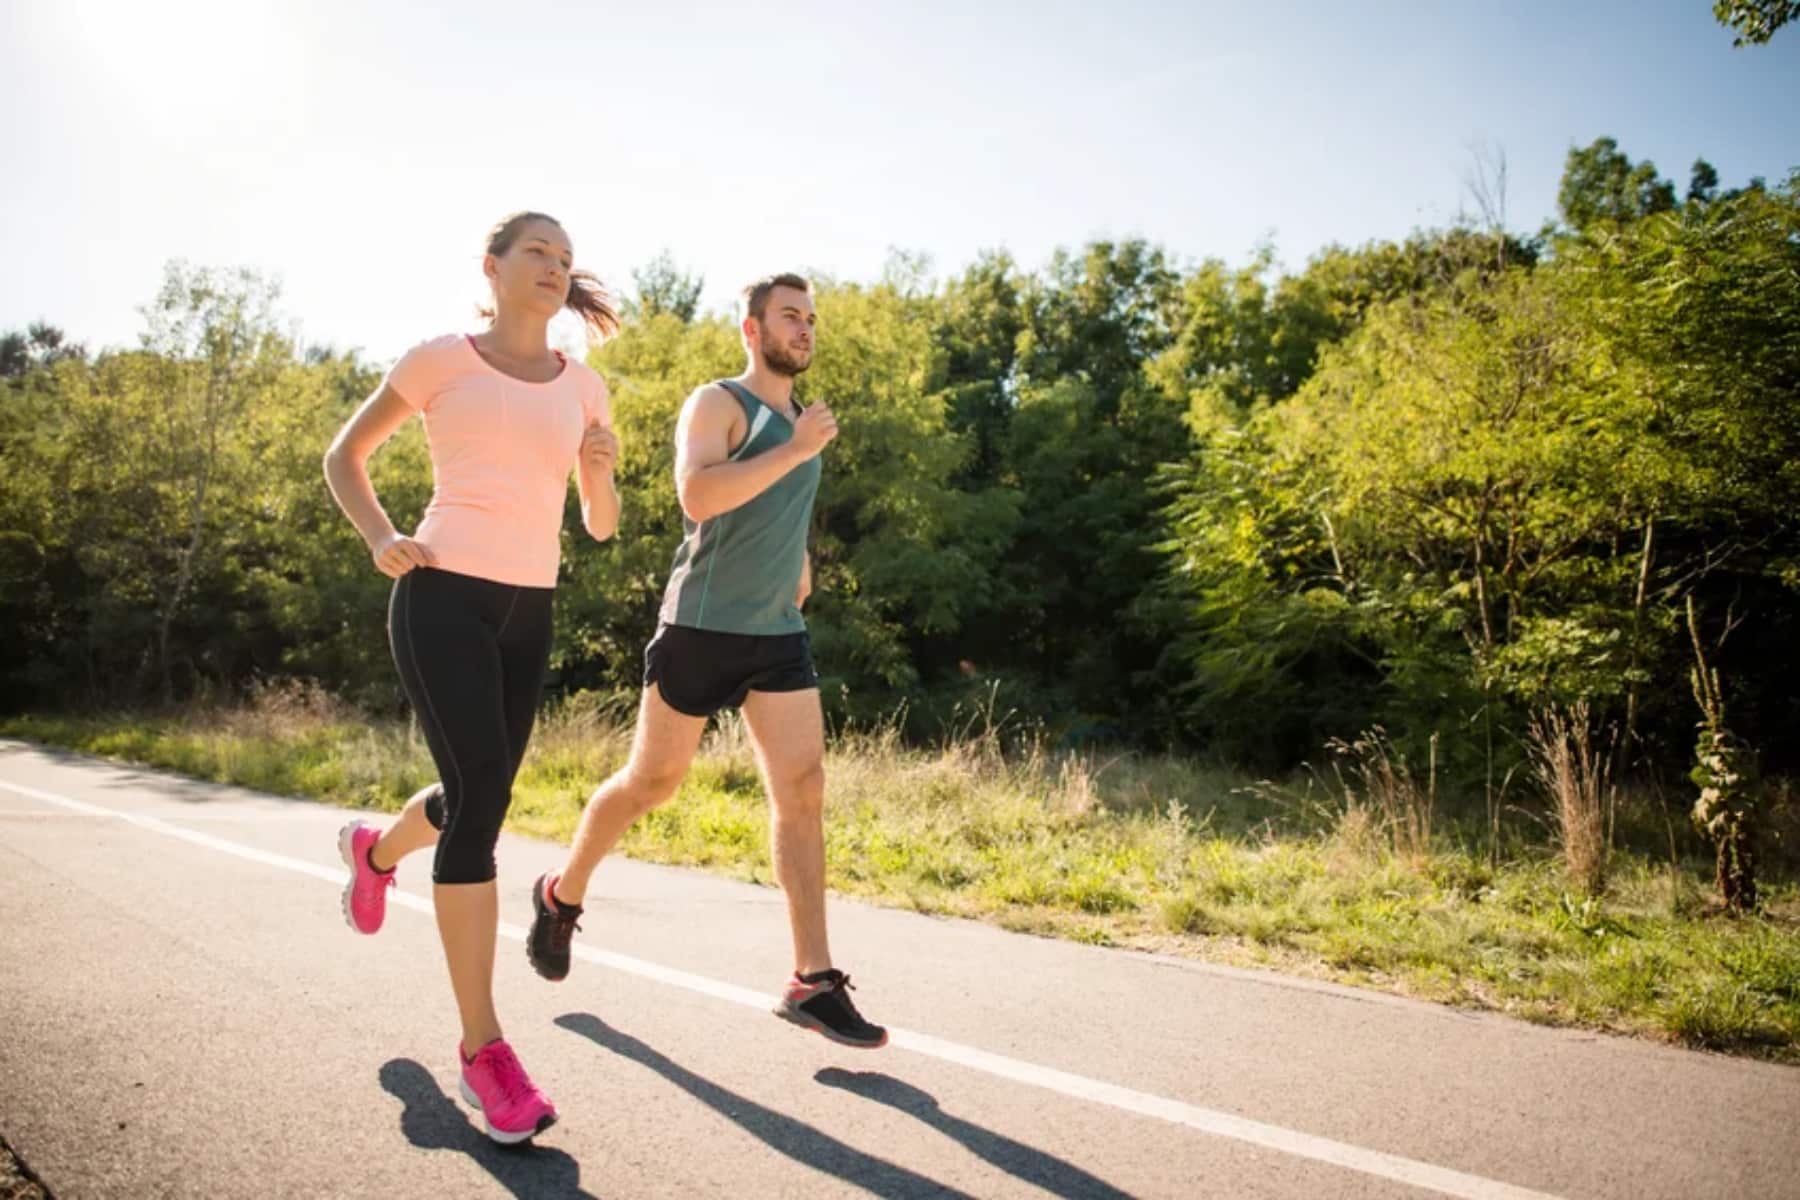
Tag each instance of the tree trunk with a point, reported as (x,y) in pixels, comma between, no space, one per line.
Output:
(184,574)
(1736,874)
(1629,742)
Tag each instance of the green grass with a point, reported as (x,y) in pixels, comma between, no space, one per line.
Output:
(1137,851)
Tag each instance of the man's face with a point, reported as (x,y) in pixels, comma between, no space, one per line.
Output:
(785,331)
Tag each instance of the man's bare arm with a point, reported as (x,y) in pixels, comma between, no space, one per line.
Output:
(707,481)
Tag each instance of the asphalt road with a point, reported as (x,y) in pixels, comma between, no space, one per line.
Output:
(184,1013)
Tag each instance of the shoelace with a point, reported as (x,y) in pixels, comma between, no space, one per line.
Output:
(509,1076)
(837,981)
(844,985)
(565,927)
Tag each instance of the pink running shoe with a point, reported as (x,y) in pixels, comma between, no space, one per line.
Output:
(365,896)
(496,1084)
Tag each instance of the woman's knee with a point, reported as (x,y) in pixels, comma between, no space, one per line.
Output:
(471,827)
(465,853)
(429,803)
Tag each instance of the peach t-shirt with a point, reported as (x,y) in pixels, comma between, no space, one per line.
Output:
(501,453)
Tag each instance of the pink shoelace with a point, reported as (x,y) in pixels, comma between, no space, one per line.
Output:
(508,1074)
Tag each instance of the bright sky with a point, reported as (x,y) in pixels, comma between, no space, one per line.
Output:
(359,150)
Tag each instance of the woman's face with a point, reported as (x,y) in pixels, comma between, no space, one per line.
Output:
(533,275)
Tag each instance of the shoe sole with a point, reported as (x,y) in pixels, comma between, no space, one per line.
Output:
(541,972)
(503,1136)
(804,1021)
(346,851)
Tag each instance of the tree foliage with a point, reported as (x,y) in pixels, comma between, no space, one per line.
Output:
(662,287)
(1600,183)
(1437,484)
(1755,21)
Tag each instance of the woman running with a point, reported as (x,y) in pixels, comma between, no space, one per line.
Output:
(506,418)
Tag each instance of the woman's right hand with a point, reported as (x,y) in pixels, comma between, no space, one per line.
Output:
(400,554)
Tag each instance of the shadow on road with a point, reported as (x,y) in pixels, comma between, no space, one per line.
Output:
(432,1121)
(1054,1175)
(796,1139)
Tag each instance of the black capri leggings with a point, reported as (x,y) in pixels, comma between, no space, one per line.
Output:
(472,655)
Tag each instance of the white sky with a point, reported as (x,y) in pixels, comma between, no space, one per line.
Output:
(359,152)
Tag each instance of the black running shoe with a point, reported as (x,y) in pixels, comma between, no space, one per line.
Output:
(553,924)
(821,1002)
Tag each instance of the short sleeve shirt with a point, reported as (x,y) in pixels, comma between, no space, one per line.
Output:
(501,453)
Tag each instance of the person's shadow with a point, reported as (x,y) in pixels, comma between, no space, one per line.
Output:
(1032,1165)
(432,1121)
(796,1139)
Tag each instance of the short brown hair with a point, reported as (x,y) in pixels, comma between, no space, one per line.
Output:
(756,295)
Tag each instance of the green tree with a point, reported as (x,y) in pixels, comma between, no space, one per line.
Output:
(35,511)
(1233,337)
(1755,21)
(1600,183)
(317,601)
(151,491)
(662,287)
(1707,302)
(979,319)
(1265,655)
(1500,492)
(1089,429)
(903,556)
(1433,488)
(1703,183)
(40,345)
(214,352)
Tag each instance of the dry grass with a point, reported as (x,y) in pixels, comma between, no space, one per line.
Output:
(1576,775)
(1352,883)
(1372,772)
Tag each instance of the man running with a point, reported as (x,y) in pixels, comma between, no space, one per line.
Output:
(730,633)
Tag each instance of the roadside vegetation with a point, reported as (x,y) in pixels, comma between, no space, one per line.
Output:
(1349,871)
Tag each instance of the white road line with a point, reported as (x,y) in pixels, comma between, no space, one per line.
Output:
(156,825)
(1206,1120)
(200,815)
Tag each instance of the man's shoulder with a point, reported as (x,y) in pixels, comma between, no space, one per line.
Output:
(713,397)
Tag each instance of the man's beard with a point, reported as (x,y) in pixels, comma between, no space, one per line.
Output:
(780,361)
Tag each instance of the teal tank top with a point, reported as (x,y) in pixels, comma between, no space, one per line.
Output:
(738,571)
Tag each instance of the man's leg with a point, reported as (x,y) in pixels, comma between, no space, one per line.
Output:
(788,731)
(662,748)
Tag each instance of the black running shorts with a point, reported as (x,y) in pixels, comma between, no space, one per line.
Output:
(700,671)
